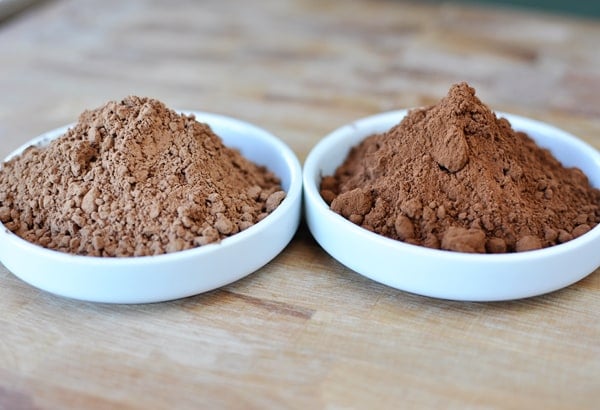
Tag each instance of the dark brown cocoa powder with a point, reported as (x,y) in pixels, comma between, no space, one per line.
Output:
(133,178)
(454,176)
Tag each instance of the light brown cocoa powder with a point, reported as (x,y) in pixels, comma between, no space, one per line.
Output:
(453,176)
(134,178)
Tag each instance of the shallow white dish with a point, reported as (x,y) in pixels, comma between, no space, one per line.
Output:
(444,274)
(180,274)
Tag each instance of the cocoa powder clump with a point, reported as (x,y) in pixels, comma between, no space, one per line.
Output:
(134,178)
(453,176)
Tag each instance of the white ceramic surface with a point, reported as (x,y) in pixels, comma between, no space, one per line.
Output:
(180,274)
(444,274)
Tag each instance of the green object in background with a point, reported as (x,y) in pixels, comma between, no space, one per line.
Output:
(589,9)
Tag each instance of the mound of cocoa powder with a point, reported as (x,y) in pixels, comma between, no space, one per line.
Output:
(133,178)
(454,176)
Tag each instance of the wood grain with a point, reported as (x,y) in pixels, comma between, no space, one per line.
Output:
(304,331)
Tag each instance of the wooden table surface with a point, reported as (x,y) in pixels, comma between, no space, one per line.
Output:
(304,331)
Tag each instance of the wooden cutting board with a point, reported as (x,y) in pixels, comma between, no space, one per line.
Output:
(304,331)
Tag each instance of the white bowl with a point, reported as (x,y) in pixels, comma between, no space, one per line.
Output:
(175,275)
(445,274)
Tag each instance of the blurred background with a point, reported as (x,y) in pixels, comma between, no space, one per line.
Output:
(299,67)
(590,9)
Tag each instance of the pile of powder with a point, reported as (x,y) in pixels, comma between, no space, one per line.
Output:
(133,178)
(454,176)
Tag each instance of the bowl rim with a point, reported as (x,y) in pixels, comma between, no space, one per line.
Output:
(312,174)
(293,194)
